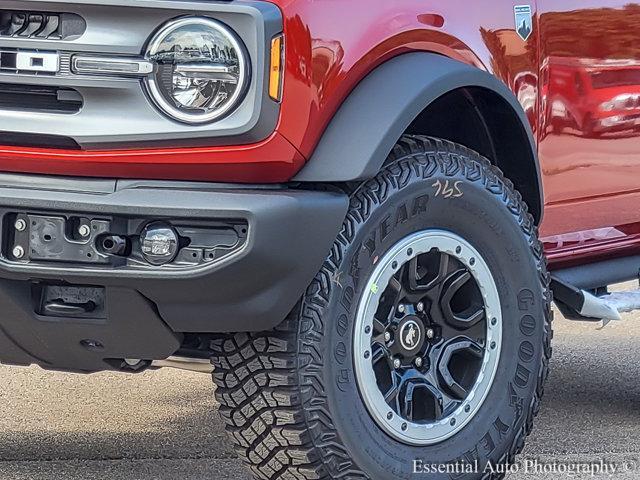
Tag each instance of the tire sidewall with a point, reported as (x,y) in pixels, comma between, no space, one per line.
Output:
(407,197)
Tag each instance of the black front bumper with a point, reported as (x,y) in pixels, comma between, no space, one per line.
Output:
(147,309)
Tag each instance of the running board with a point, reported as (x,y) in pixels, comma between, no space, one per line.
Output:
(580,292)
(578,304)
(600,274)
(599,308)
(623,301)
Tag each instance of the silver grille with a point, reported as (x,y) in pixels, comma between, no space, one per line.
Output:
(115,112)
(31,62)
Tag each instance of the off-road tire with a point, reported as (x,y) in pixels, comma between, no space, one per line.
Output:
(288,396)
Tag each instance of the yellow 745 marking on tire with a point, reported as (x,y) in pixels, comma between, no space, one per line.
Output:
(448,189)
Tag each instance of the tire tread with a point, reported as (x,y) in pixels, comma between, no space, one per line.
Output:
(269,384)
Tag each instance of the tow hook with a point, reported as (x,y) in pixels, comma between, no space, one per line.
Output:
(115,245)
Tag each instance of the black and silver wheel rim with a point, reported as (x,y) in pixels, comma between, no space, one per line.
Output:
(428,336)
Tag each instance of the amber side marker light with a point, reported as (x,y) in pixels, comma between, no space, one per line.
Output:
(275,69)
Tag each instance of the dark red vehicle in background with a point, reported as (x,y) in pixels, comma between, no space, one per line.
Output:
(592,98)
(350,207)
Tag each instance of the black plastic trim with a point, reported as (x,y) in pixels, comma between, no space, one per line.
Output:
(601,274)
(353,148)
(132,329)
(38,141)
(33,98)
(41,25)
(290,233)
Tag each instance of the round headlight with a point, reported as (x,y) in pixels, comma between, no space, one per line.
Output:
(201,70)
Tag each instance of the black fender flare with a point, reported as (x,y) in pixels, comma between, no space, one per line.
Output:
(383,105)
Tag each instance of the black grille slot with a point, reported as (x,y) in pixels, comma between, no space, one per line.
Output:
(37,140)
(44,25)
(39,98)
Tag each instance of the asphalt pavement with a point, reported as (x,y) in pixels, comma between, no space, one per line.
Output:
(163,424)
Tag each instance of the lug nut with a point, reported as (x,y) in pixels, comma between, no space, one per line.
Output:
(20,225)
(418,362)
(430,333)
(396,363)
(387,336)
(401,308)
(18,252)
(420,307)
(84,230)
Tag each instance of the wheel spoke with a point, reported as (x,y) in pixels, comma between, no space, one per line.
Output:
(395,285)
(397,289)
(443,268)
(391,297)
(461,318)
(458,366)
(477,333)
(391,397)
(417,272)
(418,393)
(407,402)
(388,304)
(379,328)
(447,400)
(379,352)
(449,403)
(412,274)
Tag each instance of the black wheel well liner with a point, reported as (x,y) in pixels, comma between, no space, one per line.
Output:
(413,93)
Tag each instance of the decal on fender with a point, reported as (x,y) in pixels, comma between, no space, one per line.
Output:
(524,21)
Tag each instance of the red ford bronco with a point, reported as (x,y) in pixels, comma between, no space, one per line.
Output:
(358,211)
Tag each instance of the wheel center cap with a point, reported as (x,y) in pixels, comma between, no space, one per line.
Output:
(410,335)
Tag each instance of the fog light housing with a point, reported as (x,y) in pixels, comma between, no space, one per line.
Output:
(201,70)
(159,243)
